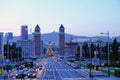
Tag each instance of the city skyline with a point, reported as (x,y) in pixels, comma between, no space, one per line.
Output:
(79,17)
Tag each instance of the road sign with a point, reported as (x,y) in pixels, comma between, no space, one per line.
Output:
(95,52)
(95,61)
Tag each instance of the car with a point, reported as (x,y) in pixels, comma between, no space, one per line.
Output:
(75,66)
(20,74)
(25,70)
(32,74)
(12,74)
(39,68)
(20,67)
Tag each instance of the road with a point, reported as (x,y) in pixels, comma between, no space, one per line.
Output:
(58,70)
(54,70)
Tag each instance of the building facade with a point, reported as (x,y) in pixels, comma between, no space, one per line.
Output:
(71,48)
(9,36)
(27,48)
(61,40)
(1,45)
(24,32)
(1,54)
(37,41)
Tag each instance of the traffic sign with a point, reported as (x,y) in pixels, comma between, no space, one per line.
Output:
(95,52)
(95,61)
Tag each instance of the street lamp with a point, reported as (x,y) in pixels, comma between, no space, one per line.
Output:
(90,75)
(108,53)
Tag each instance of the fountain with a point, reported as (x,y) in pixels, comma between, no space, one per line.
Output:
(49,51)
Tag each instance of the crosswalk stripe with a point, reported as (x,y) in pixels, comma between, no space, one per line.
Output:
(59,70)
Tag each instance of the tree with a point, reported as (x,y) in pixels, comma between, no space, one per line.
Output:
(13,51)
(98,49)
(78,53)
(105,51)
(114,54)
(93,48)
(85,47)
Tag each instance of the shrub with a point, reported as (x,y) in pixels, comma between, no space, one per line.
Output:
(71,61)
(106,64)
(118,65)
(112,64)
(89,66)
(117,72)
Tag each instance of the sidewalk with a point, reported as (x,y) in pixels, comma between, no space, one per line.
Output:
(98,75)
(106,78)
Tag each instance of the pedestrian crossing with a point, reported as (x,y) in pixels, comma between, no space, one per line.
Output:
(59,70)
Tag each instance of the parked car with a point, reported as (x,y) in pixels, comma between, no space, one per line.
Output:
(32,74)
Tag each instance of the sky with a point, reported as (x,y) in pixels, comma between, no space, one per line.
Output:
(79,17)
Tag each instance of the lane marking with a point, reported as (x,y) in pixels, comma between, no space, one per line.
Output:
(54,74)
(57,71)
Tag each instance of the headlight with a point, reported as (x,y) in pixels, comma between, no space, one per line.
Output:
(16,74)
(37,69)
(33,74)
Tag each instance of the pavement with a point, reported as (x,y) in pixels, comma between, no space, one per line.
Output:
(96,75)
(105,78)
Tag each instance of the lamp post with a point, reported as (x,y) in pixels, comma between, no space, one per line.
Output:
(89,45)
(108,53)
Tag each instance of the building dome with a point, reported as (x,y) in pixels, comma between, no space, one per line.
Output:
(37,28)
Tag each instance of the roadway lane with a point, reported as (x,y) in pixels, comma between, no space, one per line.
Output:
(58,70)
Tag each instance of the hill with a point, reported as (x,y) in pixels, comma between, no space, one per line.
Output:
(54,37)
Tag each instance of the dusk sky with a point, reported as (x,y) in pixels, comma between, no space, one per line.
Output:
(79,17)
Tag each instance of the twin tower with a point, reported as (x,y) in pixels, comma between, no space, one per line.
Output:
(37,40)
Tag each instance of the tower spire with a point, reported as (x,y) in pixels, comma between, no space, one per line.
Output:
(62,39)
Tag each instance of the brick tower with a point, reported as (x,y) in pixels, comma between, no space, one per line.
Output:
(61,40)
(37,41)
